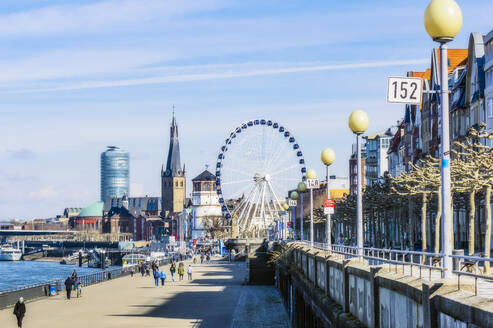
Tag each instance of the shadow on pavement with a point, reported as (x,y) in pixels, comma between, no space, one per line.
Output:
(207,308)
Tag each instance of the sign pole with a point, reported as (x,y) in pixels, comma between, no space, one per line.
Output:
(301,216)
(311,217)
(447,220)
(329,241)
(359,198)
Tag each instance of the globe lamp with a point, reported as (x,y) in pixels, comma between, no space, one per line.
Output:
(358,121)
(311,174)
(328,156)
(443,20)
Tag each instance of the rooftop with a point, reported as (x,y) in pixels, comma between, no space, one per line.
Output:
(205,176)
(95,209)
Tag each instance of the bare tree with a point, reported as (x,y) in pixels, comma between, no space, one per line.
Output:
(473,173)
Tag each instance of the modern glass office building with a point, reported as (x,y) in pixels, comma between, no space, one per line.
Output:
(115,167)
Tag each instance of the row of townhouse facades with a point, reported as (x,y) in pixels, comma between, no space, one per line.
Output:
(418,133)
(471,102)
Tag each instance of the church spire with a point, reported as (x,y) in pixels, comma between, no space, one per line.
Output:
(173,164)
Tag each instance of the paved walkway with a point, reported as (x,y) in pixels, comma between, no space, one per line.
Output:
(214,298)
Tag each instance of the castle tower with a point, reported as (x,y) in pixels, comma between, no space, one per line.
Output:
(173,184)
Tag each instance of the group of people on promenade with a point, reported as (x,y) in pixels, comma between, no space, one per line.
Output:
(73,282)
(159,275)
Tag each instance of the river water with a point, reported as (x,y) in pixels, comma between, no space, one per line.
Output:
(21,273)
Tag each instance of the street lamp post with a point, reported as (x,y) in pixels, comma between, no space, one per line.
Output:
(311,174)
(358,123)
(293,196)
(443,21)
(328,157)
(285,206)
(301,189)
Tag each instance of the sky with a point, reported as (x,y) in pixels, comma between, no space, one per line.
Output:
(77,76)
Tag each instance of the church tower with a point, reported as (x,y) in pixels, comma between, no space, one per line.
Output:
(173,184)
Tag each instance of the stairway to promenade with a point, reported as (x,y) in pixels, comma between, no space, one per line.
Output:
(214,298)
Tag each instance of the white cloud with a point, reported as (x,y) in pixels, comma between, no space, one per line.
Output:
(64,19)
(73,63)
(239,71)
(47,193)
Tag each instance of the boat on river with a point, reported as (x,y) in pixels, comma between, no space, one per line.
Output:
(9,253)
(133,259)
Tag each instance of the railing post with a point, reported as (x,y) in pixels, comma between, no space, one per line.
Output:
(376,296)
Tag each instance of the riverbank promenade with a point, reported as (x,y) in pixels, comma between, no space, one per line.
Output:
(214,298)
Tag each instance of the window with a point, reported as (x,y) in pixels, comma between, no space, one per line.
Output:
(181,184)
(176,183)
(490,107)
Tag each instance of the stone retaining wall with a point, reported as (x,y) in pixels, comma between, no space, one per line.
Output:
(324,290)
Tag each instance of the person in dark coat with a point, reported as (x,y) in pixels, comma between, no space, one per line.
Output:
(143,268)
(20,311)
(68,286)
(74,279)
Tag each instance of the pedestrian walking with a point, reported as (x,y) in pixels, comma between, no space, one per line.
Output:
(208,259)
(142,269)
(172,270)
(132,271)
(162,276)
(189,271)
(181,270)
(74,279)
(194,260)
(156,278)
(68,286)
(79,288)
(201,258)
(20,311)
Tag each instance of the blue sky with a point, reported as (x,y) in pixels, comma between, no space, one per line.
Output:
(77,76)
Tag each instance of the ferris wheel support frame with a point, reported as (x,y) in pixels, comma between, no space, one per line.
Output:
(269,209)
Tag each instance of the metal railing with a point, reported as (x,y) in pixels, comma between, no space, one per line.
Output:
(381,256)
(33,291)
(468,266)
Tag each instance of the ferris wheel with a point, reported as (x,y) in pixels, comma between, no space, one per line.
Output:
(258,164)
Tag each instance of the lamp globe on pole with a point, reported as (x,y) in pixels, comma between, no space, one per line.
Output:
(311,174)
(358,123)
(328,157)
(443,20)
(294,195)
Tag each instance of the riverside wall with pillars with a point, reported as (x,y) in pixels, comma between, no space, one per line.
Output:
(324,290)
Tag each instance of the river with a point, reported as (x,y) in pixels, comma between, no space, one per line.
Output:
(21,273)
